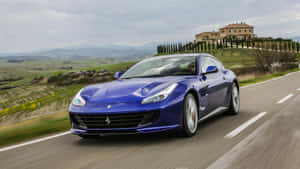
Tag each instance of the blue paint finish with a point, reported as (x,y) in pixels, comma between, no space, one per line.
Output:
(124,96)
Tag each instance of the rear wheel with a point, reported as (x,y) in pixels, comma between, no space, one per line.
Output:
(190,116)
(235,100)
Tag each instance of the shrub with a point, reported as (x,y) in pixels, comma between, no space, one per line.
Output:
(267,61)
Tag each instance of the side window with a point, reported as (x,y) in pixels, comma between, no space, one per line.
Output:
(220,66)
(205,62)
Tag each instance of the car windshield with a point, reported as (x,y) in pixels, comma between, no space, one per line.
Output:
(163,66)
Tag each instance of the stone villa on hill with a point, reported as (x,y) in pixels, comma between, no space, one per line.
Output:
(232,31)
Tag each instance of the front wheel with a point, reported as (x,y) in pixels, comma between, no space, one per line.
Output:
(190,116)
(235,100)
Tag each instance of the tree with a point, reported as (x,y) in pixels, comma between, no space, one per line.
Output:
(243,41)
(285,46)
(221,45)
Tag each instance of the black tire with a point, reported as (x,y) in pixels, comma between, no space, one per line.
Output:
(186,131)
(234,108)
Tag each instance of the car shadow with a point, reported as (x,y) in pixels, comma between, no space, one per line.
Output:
(150,139)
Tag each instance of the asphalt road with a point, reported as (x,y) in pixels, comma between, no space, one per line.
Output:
(265,135)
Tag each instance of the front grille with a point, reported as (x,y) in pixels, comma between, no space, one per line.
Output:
(103,121)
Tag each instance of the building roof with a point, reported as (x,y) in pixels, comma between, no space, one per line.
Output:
(240,25)
(207,33)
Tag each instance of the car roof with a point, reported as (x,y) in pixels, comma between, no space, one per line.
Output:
(187,54)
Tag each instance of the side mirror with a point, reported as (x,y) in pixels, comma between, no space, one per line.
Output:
(211,69)
(118,75)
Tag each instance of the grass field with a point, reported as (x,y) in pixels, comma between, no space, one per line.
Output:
(35,68)
(232,58)
(28,100)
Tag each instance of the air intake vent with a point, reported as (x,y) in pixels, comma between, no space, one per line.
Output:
(103,121)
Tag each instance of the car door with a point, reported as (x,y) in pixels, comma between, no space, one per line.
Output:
(213,82)
(225,85)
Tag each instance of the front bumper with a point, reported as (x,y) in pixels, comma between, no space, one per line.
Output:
(123,131)
(169,118)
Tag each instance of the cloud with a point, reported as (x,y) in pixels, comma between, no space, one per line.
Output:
(28,25)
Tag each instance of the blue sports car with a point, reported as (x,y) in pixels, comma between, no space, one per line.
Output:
(172,92)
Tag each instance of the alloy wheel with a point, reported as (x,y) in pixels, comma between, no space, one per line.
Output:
(191,114)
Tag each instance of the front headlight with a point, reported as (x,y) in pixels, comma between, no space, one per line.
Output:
(78,100)
(160,96)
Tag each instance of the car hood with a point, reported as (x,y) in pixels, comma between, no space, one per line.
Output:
(127,90)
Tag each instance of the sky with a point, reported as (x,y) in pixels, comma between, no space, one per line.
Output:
(32,25)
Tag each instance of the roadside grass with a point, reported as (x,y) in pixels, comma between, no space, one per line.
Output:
(53,123)
(264,78)
(37,100)
(34,128)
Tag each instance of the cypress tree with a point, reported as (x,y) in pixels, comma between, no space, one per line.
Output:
(280,45)
(167,49)
(221,45)
(285,46)
(294,46)
(208,46)
(243,44)
(200,46)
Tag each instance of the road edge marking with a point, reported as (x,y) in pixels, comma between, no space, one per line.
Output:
(285,98)
(242,127)
(34,141)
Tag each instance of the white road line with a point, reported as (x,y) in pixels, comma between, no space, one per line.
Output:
(285,98)
(245,125)
(34,141)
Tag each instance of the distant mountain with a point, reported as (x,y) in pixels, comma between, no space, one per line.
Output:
(85,52)
(296,38)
